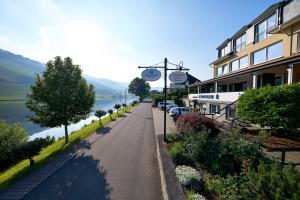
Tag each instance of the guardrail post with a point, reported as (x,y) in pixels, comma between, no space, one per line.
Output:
(283,157)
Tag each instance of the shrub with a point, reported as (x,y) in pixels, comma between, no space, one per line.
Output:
(242,151)
(195,122)
(157,98)
(277,107)
(226,188)
(191,195)
(110,111)
(272,181)
(117,107)
(222,155)
(188,177)
(33,148)
(172,137)
(99,114)
(11,137)
(178,155)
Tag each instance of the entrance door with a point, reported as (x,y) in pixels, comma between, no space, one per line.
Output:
(231,112)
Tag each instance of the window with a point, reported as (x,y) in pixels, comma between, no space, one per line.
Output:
(224,51)
(243,62)
(235,65)
(278,81)
(239,63)
(259,56)
(274,51)
(222,70)
(269,53)
(299,41)
(214,108)
(262,29)
(240,43)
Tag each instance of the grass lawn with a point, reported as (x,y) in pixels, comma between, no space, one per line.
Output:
(22,168)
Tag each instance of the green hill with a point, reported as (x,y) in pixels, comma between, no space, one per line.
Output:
(17,74)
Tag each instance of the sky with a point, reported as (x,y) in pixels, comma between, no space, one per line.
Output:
(111,38)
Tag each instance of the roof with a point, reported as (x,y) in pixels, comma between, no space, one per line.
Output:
(267,12)
(191,79)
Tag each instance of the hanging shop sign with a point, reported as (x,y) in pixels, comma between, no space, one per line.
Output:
(178,77)
(176,85)
(151,74)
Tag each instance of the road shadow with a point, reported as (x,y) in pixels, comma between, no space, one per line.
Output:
(81,178)
(83,145)
(103,130)
(123,116)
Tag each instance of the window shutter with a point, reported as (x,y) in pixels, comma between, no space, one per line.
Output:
(250,35)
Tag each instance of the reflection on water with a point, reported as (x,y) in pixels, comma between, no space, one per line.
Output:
(16,112)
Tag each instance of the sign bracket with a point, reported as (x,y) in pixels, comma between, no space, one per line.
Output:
(166,69)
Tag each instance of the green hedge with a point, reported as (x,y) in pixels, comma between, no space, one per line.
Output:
(276,107)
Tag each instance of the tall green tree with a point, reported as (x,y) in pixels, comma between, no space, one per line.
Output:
(139,87)
(60,96)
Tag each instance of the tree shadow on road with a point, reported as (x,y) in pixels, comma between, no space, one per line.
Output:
(81,178)
(103,130)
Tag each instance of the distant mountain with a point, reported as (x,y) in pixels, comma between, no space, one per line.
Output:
(108,83)
(17,74)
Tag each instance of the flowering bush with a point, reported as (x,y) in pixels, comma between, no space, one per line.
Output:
(195,122)
(188,177)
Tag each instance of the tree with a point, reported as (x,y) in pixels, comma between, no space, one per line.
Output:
(139,87)
(60,96)
(99,114)
(117,106)
(124,106)
(11,137)
(110,111)
(33,148)
(276,107)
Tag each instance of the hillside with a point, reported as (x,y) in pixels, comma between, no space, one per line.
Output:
(17,74)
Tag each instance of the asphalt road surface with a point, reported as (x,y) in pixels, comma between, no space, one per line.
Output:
(118,162)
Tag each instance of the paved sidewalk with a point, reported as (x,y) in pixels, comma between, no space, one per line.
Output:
(158,118)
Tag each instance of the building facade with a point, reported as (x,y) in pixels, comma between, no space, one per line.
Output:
(264,52)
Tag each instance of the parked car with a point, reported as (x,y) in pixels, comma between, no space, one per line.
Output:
(167,105)
(179,111)
(172,105)
(161,103)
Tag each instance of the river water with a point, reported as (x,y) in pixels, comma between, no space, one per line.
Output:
(16,112)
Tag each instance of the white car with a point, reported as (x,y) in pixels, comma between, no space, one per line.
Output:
(160,104)
(179,111)
(162,107)
(172,105)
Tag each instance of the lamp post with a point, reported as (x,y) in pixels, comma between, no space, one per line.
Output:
(166,69)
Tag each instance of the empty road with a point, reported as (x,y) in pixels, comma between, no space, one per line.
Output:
(118,162)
